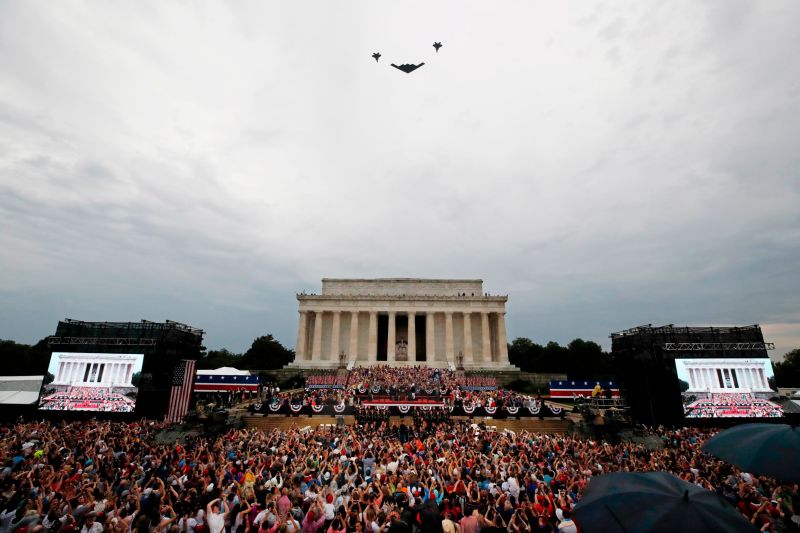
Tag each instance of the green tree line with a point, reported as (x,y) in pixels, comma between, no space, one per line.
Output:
(266,353)
(579,359)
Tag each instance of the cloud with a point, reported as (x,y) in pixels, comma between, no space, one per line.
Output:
(606,166)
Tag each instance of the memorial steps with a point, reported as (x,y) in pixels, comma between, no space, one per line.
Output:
(268,423)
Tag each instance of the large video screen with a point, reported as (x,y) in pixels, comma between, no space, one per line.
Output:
(106,382)
(727,388)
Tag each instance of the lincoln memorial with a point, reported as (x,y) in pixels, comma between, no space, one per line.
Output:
(402,321)
(95,370)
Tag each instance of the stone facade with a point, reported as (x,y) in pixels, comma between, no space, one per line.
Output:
(402,321)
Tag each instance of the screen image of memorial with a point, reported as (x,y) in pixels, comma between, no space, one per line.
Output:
(102,382)
(727,388)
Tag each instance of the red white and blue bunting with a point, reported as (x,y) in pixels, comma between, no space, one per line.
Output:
(339,408)
(512,409)
(317,408)
(403,408)
(296,408)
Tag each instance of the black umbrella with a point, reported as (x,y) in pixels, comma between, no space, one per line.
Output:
(765,449)
(654,501)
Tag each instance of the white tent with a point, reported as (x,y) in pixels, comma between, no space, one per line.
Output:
(224,371)
(20,390)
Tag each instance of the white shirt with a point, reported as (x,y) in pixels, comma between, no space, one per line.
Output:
(190,524)
(216,522)
(567,526)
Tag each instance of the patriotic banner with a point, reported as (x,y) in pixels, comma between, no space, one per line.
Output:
(225,383)
(181,392)
(570,389)
(401,409)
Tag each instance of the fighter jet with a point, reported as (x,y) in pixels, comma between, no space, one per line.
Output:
(377,56)
(437,46)
(408,69)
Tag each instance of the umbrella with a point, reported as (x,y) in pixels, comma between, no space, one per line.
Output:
(766,449)
(654,501)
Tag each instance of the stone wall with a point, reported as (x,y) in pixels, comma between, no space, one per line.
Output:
(401,287)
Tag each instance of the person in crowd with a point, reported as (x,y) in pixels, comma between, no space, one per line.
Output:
(431,474)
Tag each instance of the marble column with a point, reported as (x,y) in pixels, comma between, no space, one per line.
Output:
(448,337)
(430,337)
(316,346)
(502,353)
(486,338)
(302,335)
(391,337)
(334,351)
(372,349)
(468,355)
(353,348)
(412,337)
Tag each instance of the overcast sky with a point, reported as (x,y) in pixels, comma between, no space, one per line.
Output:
(604,164)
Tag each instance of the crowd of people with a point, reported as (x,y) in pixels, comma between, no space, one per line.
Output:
(731,405)
(408,381)
(337,380)
(431,476)
(87,399)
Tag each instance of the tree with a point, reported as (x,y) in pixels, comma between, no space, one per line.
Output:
(27,360)
(787,372)
(218,358)
(267,353)
(579,359)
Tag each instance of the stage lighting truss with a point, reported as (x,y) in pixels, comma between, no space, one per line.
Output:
(108,341)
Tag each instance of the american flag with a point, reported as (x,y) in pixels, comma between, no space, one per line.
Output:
(181,393)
